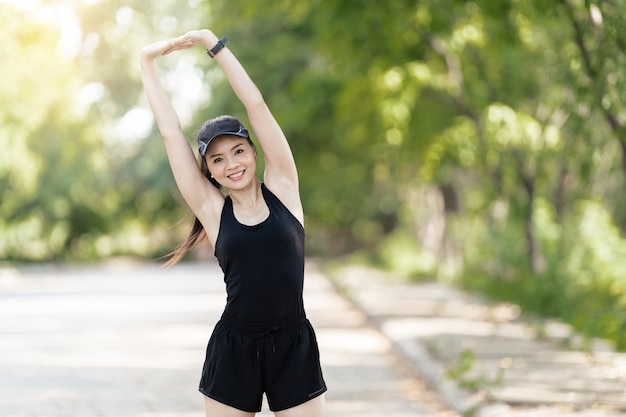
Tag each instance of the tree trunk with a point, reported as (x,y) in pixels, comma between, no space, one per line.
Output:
(535,257)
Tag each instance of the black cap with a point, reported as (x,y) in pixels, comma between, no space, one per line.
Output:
(223,125)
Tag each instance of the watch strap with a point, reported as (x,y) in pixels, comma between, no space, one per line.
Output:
(218,47)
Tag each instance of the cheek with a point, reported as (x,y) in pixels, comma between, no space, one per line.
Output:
(248,158)
(213,171)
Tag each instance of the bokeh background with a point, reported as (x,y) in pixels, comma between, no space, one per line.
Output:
(481,143)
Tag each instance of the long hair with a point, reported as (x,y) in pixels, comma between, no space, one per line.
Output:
(197,232)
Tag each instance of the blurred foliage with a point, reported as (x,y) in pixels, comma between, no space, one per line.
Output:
(477,142)
(79,179)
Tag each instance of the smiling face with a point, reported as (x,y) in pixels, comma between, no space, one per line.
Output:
(231,161)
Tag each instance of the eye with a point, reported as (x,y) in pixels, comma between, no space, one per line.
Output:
(217,160)
(238,151)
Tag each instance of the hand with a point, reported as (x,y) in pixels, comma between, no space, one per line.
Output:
(160,48)
(203,37)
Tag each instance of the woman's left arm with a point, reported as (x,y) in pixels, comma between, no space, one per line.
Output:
(281,175)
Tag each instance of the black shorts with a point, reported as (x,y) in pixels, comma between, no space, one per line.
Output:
(245,360)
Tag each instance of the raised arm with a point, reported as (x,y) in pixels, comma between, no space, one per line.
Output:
(280,169)
(203,198)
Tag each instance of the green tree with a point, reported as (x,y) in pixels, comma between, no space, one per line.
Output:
(43,129)
(79,176)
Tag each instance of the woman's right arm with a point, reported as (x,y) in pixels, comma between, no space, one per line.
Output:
(203,198)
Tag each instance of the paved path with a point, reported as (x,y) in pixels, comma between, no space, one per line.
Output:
(484,357)
(128,340)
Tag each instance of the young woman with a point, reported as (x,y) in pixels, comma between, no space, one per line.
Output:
(263,342)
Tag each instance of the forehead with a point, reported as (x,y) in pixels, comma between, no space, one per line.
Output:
(225,143)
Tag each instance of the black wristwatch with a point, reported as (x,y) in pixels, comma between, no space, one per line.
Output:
(220,45)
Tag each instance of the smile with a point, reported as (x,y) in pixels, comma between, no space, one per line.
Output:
(237,175)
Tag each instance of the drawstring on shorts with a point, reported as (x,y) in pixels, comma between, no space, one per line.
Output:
(259,331)
(268,333)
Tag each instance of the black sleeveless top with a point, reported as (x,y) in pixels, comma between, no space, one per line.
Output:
(263,264)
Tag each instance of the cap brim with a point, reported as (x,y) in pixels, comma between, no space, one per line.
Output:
(242,132)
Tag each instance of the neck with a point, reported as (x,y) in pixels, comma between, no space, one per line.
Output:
(249,196)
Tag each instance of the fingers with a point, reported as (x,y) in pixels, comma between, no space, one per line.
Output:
(168,46)
(176,44)
(201,37)
(177,47)
(192,36)
(189,39)
(155,49)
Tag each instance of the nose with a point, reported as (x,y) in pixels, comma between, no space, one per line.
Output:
(232,163)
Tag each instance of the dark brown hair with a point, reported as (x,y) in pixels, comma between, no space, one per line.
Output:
(197,233)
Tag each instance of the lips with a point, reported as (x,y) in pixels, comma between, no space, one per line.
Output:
(237,175)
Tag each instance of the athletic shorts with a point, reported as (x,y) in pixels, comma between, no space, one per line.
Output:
(245,360)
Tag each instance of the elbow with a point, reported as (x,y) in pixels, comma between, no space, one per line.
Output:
(170,137)
(168,124)
(254,99)
(256,102)
(171,133)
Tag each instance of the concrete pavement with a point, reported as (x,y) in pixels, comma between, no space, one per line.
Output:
(128,340)
(484,357)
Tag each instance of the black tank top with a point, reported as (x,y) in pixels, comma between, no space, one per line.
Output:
(263,264)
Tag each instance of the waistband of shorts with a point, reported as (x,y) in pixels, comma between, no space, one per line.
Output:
(260,329)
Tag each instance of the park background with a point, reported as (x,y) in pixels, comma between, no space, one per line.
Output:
(479,143)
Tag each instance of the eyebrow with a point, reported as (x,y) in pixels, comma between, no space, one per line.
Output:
(233,148)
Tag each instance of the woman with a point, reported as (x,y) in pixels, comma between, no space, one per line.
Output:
(263,342)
